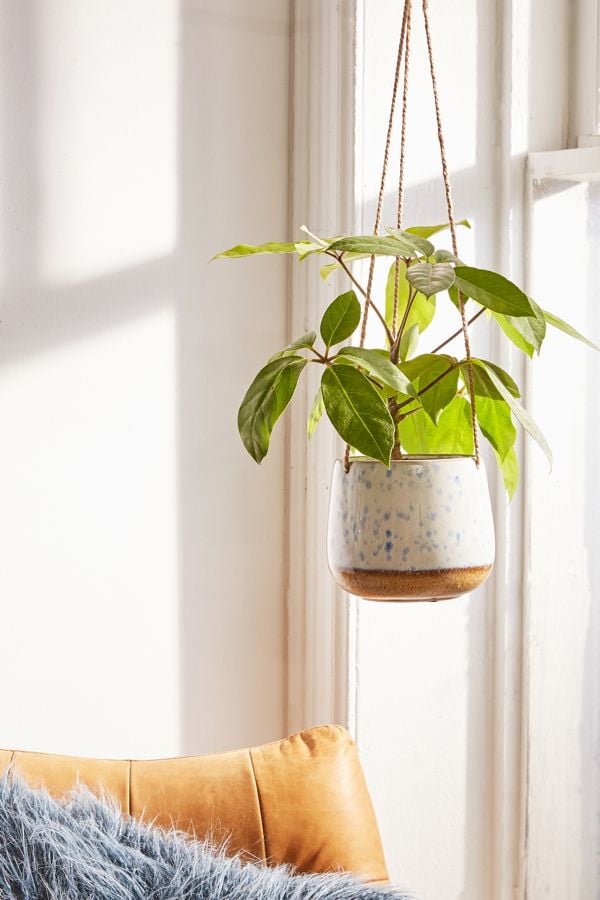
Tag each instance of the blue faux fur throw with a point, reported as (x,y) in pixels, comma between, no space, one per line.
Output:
(84,849)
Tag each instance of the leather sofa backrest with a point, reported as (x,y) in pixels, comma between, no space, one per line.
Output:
(301,801)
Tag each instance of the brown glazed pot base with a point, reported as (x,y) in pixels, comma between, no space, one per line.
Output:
(397,586)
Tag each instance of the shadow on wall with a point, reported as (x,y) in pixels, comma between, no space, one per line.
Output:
(213,676)
(231,513)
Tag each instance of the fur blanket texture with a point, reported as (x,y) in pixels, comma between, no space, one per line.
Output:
(83,848)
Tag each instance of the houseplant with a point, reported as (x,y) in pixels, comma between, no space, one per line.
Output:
(409,415)
(410,517)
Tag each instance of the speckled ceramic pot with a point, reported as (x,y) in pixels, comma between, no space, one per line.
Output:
(420,530)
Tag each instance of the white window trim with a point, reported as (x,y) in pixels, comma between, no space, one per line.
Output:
(319,614)
(585,76)
(583,162)
(580,164)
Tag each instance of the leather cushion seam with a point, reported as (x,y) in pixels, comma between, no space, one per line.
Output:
(260,808)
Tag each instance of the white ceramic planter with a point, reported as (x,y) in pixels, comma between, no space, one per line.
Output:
(421,530)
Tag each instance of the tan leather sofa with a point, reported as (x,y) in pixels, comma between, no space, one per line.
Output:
(302,800)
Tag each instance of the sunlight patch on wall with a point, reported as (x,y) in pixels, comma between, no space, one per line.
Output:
(88,531)
(107,135)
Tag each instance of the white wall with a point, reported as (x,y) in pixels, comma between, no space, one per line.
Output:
(141,569)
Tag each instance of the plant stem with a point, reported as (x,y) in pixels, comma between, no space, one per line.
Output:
(320,357)
(459,332)
(428,387)
(409,303)
(405,415)
(395,347)
(359,287)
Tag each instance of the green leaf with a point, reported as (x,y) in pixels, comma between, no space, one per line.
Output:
(481,366)
(241,250)
(264,402)
(521,414)
(340,319)
(403,292)
(308,248)
(437,398)
(358,412)
(431,279)
(483,385)
(422,309)
(526,332)
(330,268)
(421,365)
(409,342)
(510,472)
(315,239)
(379,367)
(519,336)
(493,291)
(538,324)
(495,421)
(453,433)
(553,320)
(373,246)
(427,231)
(424,371)
(306,341)
(416,244)
(318,408)
(453,294)
(327,271)
(444,256)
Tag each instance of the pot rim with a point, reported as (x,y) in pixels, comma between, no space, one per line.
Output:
(410,458)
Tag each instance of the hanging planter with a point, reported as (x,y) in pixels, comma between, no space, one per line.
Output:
(421,529)
(410,515)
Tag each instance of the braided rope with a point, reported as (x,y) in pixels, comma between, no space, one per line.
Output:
(452,224)
(404,55)
(384,169)
(401,169)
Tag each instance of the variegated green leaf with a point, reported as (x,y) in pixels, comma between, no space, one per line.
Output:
(315,415)
(422,308)
(241,250)
(428,231)
(431,278)
(563,326)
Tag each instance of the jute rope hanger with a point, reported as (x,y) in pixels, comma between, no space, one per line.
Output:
(404,57)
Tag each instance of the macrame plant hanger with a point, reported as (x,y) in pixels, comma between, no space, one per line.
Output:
(402,69)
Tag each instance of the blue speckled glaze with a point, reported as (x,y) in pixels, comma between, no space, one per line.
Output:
(422,514)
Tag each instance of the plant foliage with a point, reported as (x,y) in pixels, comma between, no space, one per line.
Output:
(393,400)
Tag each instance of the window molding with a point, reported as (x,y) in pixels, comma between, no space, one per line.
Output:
(585,74)
(322,197)
(561,642)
